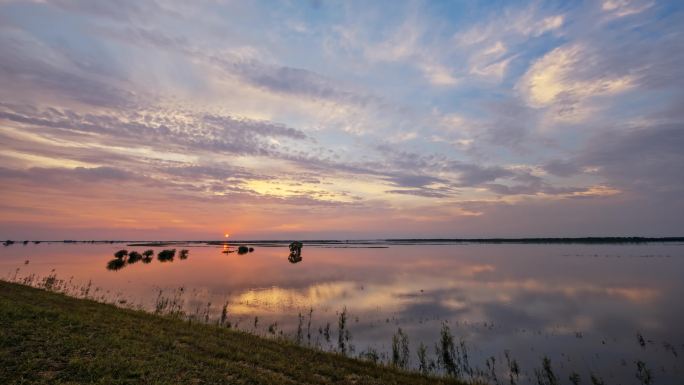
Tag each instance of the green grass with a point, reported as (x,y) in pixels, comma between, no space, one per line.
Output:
(50,338)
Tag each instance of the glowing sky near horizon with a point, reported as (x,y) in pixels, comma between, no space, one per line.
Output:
(326,119)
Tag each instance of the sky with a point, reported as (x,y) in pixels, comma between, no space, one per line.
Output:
(341,119)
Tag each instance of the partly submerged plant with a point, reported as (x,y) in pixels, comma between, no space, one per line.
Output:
(298,339)
(545,375)
(446,352)
(513,368)
(224,315)
(574,378)
(147,256)
(643,374)
(134,257)
(422,359)
(343,334)
(166,255)
(596,380)
(400,350)
(116,264)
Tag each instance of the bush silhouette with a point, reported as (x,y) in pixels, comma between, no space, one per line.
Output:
(166,255)
(116,264)
(134,257)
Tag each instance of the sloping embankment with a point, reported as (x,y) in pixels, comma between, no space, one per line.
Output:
(49,338)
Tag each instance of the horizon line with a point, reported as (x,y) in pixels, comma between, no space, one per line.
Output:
(609,239)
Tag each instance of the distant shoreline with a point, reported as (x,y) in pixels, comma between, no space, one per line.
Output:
(389,241)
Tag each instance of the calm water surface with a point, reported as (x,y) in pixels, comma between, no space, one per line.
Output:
(583,306)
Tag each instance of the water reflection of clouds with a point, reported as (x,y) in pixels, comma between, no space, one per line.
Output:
(529,304)
(529,297)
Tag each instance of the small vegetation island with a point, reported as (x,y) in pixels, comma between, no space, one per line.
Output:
(123,257)
(51,338)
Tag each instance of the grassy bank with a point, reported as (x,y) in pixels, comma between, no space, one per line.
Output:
(49,338)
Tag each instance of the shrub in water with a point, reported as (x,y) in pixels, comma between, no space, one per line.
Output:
(134,257)
(166,255)
(116,264)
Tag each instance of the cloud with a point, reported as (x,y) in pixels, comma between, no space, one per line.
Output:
(414,180)
(593,75)
(248,67)
(123,10)
(420,185)
(555,79)
(421,192)
(65,175)
(493,45)
(494,70)
(407,43)
(439,75)
(511,124)
(644,160)
(525,183)
(223,171)
(29,67)
(561,168)
(622,8)
(474,175)
(512,24)
(401,43)
(548,24)
(190,130)
(294,81)
(490,61)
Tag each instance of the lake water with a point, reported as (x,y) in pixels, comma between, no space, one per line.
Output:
(582,306)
